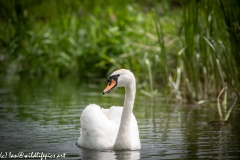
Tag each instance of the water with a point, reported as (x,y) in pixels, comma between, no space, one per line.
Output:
(42,117)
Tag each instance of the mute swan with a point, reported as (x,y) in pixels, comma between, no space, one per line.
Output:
(115,128)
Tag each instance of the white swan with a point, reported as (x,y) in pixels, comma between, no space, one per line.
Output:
(115,128)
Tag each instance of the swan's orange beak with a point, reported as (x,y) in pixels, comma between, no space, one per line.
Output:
(110,86)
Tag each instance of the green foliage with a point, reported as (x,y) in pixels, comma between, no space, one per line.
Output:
(164,43)
(231,12)
(203,42)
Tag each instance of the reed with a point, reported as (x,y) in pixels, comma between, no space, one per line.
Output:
(231,14)
(223,111)
(203,47)
(171,47)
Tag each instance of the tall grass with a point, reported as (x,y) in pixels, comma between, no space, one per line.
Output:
(203,42)
(167,43)
(231,12)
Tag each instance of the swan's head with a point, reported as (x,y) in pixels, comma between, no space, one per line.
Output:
(119,78)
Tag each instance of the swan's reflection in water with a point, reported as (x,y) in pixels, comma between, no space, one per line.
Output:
(109,155)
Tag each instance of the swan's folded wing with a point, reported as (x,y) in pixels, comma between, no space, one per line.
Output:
(115,114)
(97,131)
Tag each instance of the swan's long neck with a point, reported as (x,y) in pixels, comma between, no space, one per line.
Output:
(123,140)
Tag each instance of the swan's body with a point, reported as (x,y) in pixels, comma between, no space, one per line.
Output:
(115,128)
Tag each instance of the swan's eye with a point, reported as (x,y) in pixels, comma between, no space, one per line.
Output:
(109,81)
(113,77)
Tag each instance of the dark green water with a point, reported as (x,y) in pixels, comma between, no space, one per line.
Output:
(44,117)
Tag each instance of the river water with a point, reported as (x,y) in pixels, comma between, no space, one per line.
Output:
(41,118)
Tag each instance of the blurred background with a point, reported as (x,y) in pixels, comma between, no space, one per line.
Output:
(56,56)
(185,49)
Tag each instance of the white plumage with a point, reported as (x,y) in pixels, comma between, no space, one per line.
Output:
(115,128)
